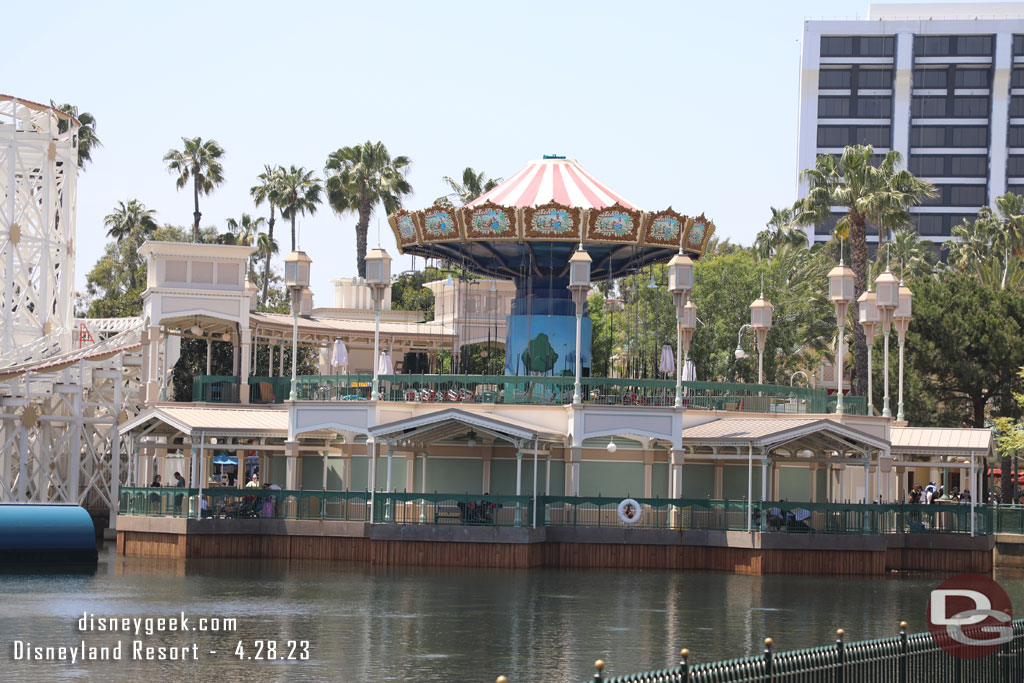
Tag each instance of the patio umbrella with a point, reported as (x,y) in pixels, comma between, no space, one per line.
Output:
(339,354)
(385,366)
(668,360)
(689,371)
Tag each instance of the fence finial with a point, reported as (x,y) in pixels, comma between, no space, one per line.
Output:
(768,642)
(501,679)
(840,633)
(903,626)
(599,666)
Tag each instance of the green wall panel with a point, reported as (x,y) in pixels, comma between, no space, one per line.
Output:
(612,479)
(454,475)
(698,481)
(734,482)
(557,476)
(659,480)
(795,484)
(357,478)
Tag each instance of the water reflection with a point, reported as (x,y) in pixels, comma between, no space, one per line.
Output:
(444,624)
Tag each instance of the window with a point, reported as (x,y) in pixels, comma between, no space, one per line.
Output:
(1015,166)
(876,136)
(930,78)
(1017,106)
(874,107)
(832,107)
(1017,78)
(969,136)
(970,107)
(927,136)
(927,107)
(966,195)
(974,46)
(875,46)
(836,46)
(971,78)
(834,79)
(826,227)
(874,79)
(931,46)
(969,166)
(927,166)
(929,224)
(1018,45)
(1015,138)
(833,136)
(1015,189)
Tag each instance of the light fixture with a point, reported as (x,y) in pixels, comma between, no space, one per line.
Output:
(196,330)
(611,447)
(471,441)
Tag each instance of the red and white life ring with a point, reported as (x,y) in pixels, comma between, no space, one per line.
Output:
(630,511)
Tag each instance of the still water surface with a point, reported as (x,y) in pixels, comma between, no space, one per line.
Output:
(394,624)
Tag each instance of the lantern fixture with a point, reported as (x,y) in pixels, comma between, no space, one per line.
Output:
(887,298)
(680,280)
(902,317)
(869,317)
(579,285)
(296,270)
(378,277)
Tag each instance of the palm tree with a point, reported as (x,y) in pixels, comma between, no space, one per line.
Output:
(881,194)
(269,191)
(244,231)
(200,161)
(300,194)
(781,229)
(130,223)
(86,132)
(358,178)
(910,253)
(472,186)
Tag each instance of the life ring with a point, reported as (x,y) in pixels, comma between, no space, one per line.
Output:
(629,511)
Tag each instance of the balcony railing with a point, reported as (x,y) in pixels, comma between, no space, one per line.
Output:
(534,390)
(559,511)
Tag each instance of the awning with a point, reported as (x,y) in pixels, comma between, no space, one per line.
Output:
(219,421)
(941,441)
(768,433)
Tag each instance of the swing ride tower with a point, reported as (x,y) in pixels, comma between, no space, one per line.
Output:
(525,230)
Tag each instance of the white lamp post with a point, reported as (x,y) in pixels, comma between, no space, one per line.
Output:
(296,278)
(901,319)
(579,285)
(761,321)
(840,293)
(869,320)
(680,283)
(378,277)
(887,298)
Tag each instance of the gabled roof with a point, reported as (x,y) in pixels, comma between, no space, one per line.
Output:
(438,425)
(768,432)
(940,441)
(226,421)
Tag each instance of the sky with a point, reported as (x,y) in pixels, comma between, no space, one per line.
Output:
(687,104)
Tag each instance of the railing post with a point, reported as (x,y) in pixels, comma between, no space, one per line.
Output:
(904,652)
(599,668)
(840,656)
(684,666)
(768,642)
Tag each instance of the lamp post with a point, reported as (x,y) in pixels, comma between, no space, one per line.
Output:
(378,278)
(579,285)
(761,321)
(901,319)
(680,283)
(840,293)
(869,319)
(887,298)
(296,278)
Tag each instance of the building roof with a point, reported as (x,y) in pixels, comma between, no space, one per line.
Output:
(222,420)
(768,432)
(940,440)
(553,180)
(338,326)
(440,424)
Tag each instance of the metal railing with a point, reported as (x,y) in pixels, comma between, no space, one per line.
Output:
(1008,519)
(532,390)
(905,658)
(560,511)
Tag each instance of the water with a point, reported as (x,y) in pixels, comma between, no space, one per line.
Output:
(382,624)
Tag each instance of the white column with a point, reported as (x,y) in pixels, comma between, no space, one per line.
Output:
(423,473)
(901,86)
(535,483)
(387,503)
(243,380)
(209,347)
(547,476)
(764,478)
(519,482)
(1000,113)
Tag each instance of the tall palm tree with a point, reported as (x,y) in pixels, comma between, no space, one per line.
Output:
(130,224)
(360,177)
(783,228)
(300,194)
(472,186)
(199,161)
(909,255)
(245,231)
(87,139)
(880,194)
(268,190)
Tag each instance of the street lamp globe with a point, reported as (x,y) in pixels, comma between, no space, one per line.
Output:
(680,280)
(296,270)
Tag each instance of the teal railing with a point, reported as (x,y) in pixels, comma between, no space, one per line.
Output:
(1008,519)
(905,658)
(540,390)
(573,511)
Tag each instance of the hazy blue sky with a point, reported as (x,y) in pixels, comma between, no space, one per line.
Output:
(692,105)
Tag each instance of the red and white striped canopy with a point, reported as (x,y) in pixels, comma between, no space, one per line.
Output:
(553,179)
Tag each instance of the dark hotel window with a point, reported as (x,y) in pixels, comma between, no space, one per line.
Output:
(834,79)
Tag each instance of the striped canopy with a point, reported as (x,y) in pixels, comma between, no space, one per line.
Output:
(553,179)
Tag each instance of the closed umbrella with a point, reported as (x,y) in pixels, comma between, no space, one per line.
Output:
(385,366)
(668,360)
(689,371)
(339,354)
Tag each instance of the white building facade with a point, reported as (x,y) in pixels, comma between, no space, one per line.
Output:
(943,84)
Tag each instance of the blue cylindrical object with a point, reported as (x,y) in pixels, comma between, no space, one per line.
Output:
(51,534)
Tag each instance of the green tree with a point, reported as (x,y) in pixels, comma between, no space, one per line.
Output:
(783,228)
(408,292)
(1009,446)
(963,347)
(130,224)
(87,139)
(268,190)
(359,178)
(472,186)
(990,247)
(300,194)
(246,231)
(881,194)
(199,161)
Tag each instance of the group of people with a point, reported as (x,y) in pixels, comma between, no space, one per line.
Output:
(931,494)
